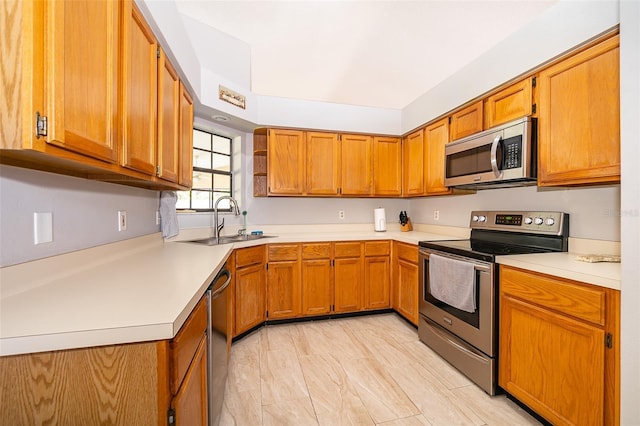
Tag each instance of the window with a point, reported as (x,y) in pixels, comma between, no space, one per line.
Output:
(212,176)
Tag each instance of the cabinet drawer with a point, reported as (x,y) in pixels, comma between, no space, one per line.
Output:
(185,344)
(407,252)
(352,249)
(316,251)
(281,252)
(377,248)
(249,256)
(566,296)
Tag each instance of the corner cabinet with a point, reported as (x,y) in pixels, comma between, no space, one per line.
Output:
(579,118)
(83,100)
(250,283)
(559,347)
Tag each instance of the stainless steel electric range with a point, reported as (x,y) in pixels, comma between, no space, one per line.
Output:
(459,285)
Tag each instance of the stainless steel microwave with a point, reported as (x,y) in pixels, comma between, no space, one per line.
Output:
(504,156)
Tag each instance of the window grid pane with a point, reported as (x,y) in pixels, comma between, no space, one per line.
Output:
(212,177)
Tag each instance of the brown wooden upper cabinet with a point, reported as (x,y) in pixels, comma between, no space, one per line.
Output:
(387,166)
(579,118)
(94,88)
(323,163)
(436,136)
(168,120)
(510,103)
(286,162)
(139,92)
(357,165)
(466,122)
(81,82)
(413,164)
(186,138)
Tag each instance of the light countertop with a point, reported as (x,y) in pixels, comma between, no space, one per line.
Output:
(136,290)
(143,289)
(565,265)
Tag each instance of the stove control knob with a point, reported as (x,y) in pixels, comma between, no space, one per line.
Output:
(538,221)
(474,218)
(528,221)
(482,218)
(550,221)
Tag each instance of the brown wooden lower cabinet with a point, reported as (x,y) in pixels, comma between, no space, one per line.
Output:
(284,292)
(134,383)
(559,350)
(317,279)
(348,276)
(250,282)
(405,281)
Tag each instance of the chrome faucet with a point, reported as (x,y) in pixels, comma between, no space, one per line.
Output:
(217,228)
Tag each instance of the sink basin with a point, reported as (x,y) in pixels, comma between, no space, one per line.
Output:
(230,239)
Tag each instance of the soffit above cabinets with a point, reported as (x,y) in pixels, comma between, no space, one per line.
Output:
(381,54)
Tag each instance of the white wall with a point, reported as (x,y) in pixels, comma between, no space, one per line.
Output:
(630,209)
(594,212)
(84,213)
(558,29)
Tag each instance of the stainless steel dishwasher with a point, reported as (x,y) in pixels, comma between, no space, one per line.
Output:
(218,338)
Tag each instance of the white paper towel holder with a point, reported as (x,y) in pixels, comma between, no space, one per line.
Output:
(379,220)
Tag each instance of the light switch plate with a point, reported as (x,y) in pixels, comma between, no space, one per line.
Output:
(42,227)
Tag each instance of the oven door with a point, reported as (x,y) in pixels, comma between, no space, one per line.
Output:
(477,328)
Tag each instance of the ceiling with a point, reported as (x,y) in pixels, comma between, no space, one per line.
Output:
(380,54)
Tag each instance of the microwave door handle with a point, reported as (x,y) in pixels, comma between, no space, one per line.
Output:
(494,153)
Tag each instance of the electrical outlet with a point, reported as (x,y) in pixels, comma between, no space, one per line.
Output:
(436,215)
(42,227)
(122,220)
(157,217)
(341,214)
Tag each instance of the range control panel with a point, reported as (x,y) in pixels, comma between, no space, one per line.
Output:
(536,222)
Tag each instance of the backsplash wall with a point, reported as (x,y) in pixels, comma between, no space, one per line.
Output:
(85,213)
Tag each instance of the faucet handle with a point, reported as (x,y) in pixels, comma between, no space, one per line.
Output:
(221,225)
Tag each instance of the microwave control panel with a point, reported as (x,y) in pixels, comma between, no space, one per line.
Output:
(512,154)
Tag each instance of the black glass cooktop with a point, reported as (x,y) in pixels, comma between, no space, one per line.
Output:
(480,250)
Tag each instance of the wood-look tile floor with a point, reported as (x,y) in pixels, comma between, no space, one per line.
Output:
(370,370)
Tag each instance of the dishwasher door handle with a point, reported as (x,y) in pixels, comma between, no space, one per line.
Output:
(224,286)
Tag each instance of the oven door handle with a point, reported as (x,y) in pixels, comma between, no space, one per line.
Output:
(494,156)
(467,351)
(479,268)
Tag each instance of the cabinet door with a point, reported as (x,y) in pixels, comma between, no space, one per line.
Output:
(413,164)
(191,403)
(250,297)
(323,163)
(317,286)
(407,290)
(139,90)
(579,118)
(349,285)
(387,166)
(186,138)
(563,378)
(436,137)
(168,120)
(285,158)
(510,103)
(357,168)
(467,121)
(283,290)
(377,275)
(81,83)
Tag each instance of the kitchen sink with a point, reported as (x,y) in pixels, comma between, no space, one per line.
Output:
(230,239)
